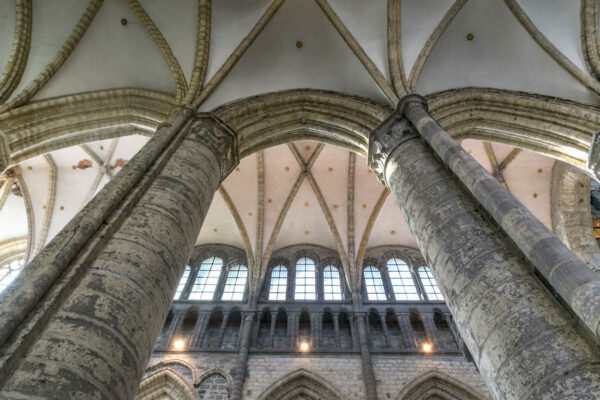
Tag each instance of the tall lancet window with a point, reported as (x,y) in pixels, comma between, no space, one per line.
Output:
(332,286)
(402,281)
(207,279)
(278,288)
(431,288)
(374,284)
(236,283)
(182,282)
(305,280)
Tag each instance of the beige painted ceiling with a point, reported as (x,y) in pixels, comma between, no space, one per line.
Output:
(502,54)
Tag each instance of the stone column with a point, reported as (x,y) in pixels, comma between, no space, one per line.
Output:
(173,327)
(222,329)
(523,341)
(353,334)
(242,360)
(92,333)
(431,330)
(365,356)
(384,327)
(200,329)
(272,331)
(336,327)
(293,320)
(408,336)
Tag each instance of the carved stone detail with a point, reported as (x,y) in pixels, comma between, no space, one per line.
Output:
(218,137)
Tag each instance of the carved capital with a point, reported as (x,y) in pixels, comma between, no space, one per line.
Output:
(218,137)
(385,138)
(593,163)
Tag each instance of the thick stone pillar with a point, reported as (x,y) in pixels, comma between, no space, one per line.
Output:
(91,334)
(365,356)
(241,365)
(524,342)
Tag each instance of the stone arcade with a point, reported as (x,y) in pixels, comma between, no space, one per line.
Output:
(299,199)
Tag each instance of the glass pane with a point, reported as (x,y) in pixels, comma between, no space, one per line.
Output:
(305,280)
(331,283)
(236,283)
(207,279)
(9,271)
(431,288)
(278,288)
(374,284)
(182,282)
(402,281)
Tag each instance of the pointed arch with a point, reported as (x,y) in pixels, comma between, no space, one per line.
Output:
(300,382)
(215,383)
(437,385)
(165,382)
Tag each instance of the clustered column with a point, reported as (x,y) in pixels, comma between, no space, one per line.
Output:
(523,341)
(105,321)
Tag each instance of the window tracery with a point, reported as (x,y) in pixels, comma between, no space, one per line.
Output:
(9,271)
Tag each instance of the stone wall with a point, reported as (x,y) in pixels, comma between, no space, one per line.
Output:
(340,373)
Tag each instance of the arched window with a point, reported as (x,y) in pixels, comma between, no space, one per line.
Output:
(374,284)
(236,283)
(332,288)
(431,288)
(278,288)
(402,281)
(207,279)
(182,282)
(9,271)
(305,280)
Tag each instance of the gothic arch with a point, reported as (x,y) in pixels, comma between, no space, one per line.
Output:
(210,384)
(300,384)
(165,382)
(436,385)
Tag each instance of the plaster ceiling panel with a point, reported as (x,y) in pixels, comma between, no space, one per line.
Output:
(127,148)
(7,29)
(367,191)
(418,20)
(559,21)
(367,21)
(37,180)
(501,55)
(305,222)
(331,173)
(281,172)
(529,176)
(477,151)
(231,22)
(274,62)
(13,218)
(219,225)
(501,150)
(111,55)
(390,227)
(179,27)
(53,22)
(72,187)
(242,186)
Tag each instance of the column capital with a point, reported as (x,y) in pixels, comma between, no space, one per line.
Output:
(248,315)
(391,133)
(409,101)
(215,134)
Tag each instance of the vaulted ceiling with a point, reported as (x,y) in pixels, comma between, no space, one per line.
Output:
(213,54)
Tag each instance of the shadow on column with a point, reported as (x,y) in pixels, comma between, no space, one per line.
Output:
(211,338)
(187,326)
(280,340)
(418,328)
(394,332)
(376,331)
(328,334)
(345,331)
(304,327)
(161,342)
(232,330)
(264,330)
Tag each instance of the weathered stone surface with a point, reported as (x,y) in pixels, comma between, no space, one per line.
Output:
(520,337)
(103,331)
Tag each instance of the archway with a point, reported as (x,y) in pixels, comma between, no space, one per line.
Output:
(434,385)
(300,384)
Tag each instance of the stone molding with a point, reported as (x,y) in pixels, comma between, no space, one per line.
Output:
(435,384)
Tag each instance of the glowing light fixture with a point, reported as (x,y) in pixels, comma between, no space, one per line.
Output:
(178,344)
(304,346)
(427,347)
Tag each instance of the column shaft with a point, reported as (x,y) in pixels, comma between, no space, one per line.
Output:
(523,341)
(336,327)
(272,331)
(96,337)
(408,336)
(242,361)
(365,357)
